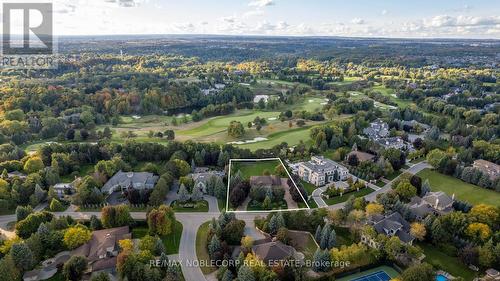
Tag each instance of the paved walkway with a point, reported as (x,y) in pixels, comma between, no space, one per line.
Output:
(290,203)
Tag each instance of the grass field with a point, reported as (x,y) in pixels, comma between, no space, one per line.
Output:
(308,187)
(215,129)
(347,81)
(253,168)
(292,137)
(440,260)
(391,94)
(201,248)
(463,191)
(170,241)
(340,199)
(344,236)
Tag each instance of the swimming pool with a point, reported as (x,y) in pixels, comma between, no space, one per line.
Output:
(441,277)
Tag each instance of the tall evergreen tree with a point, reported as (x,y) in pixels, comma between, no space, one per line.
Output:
(325,233)
(332,239)
(317,235)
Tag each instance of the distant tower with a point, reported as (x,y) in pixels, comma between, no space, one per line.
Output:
(121,54)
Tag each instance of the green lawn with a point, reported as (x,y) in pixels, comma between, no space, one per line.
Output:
(305,245)
(222,204)
(254,168)
(344,236)
(201,206)
(312,204)
(340,199)
(417,160)
(312,104)
(83,171)
(292,137)
(173,240)
(394,175)
(462,190)
(139,232)
(440,260)
(220,124)
(309,187)
(201,248)
(391,94)
(170,241)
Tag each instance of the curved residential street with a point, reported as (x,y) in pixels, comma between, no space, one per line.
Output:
(192,221)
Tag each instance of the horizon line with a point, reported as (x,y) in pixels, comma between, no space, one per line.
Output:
(272,36)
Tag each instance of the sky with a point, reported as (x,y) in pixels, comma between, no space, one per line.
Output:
(358,18)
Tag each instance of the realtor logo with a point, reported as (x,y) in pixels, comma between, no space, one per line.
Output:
(27,29)
(27,37)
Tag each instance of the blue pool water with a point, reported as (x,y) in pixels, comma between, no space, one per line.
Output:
(440,277)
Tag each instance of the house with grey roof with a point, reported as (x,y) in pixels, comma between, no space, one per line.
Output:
(377,129)
(389,225)
(414,125)
(122,181)
(102,249)
(275,251)
(436,203)
(320,171)
(201,177)
(391,142)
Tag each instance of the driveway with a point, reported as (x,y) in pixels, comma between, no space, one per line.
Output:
(316,195)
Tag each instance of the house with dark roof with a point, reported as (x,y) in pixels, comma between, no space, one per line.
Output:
(102,249)
(437,203)
(389,225)
(122,181)
(414,125)
(377,129)
(266,181)
(275,251)
(391,142)
(320,171)
(201,178)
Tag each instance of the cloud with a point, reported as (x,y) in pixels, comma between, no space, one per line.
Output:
(183,27)
(229,19)
(461,21)
(261,3)
(358,21)
(383,12)
(253,13)
(126,3)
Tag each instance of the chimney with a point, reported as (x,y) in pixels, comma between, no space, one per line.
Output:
(453,197)
(437,203)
